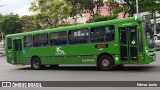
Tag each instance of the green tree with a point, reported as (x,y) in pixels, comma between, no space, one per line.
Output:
(115,7)
(49,13)
(144,5)
(10,24)
(28,23)
(98,18)
(77,8)
(89,6)
(99,3)
(83,6)
(149,5)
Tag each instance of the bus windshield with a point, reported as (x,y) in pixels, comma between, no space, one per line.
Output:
(149,35)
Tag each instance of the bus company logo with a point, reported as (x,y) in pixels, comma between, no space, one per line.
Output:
(6,84)
(59,51)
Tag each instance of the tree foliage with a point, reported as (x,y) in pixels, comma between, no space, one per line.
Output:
(10,24)
(144,5)
(149,5)
(77,8)
(115,7)
(50,12)
(53,13)
(83,6)
(98,18)
(89,6)
(28,23)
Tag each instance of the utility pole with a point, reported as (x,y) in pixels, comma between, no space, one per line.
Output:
(137,8)
(154,18)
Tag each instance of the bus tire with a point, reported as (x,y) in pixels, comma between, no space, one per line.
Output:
(105,63)
(36,63)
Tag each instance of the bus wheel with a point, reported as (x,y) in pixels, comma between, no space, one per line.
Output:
(105,63)
(36,64)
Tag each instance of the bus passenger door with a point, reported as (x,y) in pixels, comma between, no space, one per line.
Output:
(133,44)
(17,48)
(128,44)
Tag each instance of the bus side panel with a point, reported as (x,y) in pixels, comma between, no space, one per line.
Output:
(72,54)
(42,52)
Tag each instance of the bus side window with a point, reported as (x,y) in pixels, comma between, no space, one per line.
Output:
(109,33)
(58,38)
(40,40)
(28,41)
(78,36)
(9,41)
(97,34)
(123,37)
(62,38)
(102,34)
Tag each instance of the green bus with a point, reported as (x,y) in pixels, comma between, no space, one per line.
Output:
(106,44)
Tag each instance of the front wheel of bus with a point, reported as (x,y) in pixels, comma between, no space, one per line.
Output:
(105,63)
(36,63)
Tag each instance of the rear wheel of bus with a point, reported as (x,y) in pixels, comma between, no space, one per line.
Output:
(36,64)
(105,63)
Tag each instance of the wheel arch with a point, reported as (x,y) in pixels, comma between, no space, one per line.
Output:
(104,53)
(99,65)
(39,66)
(34,57)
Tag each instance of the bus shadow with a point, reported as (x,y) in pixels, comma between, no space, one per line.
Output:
(93,68)
(138,68)
(65,68)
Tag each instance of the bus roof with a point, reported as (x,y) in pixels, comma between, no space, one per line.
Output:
(79,26)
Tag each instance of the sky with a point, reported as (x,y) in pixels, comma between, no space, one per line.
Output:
(16,6)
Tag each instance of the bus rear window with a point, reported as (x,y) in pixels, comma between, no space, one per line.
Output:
(9,41)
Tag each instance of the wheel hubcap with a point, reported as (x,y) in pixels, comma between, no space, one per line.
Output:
(105,63)
(36,64)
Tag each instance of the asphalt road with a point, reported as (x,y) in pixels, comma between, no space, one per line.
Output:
(149,72)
